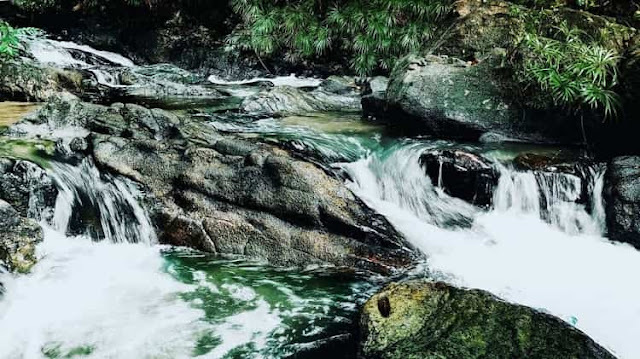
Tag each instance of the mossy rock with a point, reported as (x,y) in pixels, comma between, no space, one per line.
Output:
(33,150)
(18,240)
(483,26)
(425,320)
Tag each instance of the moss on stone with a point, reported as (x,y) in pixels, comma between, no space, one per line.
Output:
(434,321)
(37,151)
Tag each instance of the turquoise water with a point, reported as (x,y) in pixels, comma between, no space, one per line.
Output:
(294,310)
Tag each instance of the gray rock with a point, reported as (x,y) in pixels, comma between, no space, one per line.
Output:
(420,319)
(622,195)
(27,188)
(25,79)
(333,95)
(450,98)
(221,194)
(18,240)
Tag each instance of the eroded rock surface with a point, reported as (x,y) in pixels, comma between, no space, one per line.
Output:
(333,94)
(225,195)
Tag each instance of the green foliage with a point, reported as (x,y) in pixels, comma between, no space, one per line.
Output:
(575,70)
(370,34)
(10,39)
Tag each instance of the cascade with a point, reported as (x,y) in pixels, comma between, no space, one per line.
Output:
(536,247)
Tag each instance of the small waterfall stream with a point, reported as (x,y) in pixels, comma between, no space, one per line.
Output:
(117,216)
(104,288)
(535,247)
(554,197)
(69,54)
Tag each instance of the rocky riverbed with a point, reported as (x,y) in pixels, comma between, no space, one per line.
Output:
(148,210)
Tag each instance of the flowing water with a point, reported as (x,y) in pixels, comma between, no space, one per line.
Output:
(126,297)
(105,289)
(537,246)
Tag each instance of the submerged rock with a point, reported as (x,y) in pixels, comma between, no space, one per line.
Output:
(333,95)
(461,174)
(221,194)
(557,163)
(419,319)
(622,195)
(18,240)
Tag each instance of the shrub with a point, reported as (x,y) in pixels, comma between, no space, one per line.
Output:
(370,34)
(11,39)
(575,70)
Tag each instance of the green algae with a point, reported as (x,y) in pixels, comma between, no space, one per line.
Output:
(33,150)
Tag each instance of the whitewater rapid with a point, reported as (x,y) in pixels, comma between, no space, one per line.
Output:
(563,265)
(124,300)
(118,294)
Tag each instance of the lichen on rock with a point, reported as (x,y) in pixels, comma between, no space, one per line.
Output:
(429,320)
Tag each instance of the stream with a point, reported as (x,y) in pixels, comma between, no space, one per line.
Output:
(121,294)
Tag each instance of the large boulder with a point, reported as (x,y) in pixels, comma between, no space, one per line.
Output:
(419,319)
(477,90)
(24,79)
(221,194)
(622,195)
(18,240)
(461,174)
(451,98)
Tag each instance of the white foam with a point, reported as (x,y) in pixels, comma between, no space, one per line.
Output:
(291,80)
(56,52)
(112,298)
(582,278)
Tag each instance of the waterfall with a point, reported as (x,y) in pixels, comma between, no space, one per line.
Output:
(68,54)
(537,246)
(109,201)
(554,197)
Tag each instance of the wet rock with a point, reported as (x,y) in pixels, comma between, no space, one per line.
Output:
(165,86)
(18,240)
(27,188)
(374,96)
(622,195)
(26,80)
(435,320)
(461,174)
(333,95)
(221,194)
(554,163)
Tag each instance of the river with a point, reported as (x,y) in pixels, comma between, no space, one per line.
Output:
(123,295)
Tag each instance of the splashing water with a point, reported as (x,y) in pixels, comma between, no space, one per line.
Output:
(69,54)
(82,188)
(291,80)
(558,262)
(125,297)
(96,298)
